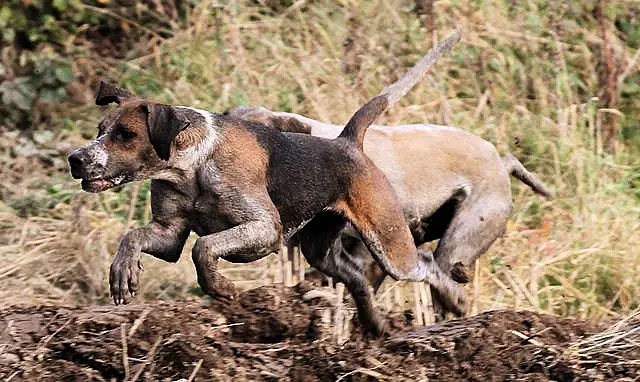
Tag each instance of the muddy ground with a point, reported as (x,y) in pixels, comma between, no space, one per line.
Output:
(278,333)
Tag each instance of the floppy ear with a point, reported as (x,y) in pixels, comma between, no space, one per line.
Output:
(164,125)
(107,93)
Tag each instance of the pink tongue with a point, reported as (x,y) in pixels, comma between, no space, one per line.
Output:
(101,183)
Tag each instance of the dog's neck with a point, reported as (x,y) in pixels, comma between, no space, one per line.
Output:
(192,146)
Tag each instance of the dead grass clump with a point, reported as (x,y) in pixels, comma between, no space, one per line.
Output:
(65,258)
(616,347)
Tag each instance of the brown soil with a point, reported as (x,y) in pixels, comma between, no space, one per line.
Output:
(272,333)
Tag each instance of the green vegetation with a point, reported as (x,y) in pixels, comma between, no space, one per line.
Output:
(529,76)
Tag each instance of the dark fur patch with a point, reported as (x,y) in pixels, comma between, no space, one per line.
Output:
(300,190)
(164,126)
(107,93)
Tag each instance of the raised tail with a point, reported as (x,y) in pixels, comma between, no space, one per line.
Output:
(364,117)
(515,168)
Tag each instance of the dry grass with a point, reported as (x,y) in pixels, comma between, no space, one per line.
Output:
(617,345)
(509,80)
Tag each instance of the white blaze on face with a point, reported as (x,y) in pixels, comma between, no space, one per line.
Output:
(97,153)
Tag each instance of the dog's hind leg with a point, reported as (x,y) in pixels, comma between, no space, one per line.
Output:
(321,246)
(474,227)
(374,212)
(358,251)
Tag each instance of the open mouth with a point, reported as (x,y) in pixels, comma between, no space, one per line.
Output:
(101,184)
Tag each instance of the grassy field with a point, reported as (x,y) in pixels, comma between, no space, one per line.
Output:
(526,77)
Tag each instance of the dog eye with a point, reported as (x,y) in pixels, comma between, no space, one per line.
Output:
(122,134)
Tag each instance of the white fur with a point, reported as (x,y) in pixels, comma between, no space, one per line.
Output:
(191,157)
(188,160)
(97,153)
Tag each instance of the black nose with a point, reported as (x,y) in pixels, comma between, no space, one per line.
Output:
(75,163)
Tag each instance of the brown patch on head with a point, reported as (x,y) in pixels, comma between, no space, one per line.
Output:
(133,116)
(128,135)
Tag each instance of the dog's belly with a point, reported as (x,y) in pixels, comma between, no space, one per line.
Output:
(298,211)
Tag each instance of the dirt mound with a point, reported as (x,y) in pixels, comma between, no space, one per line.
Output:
(277,333)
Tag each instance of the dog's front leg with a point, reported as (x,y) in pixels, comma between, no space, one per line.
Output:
(241,244)
(161,241)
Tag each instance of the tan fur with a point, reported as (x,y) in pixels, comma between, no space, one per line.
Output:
(241,147)
(190,138)
(424,166)
(134,120)
(367,188)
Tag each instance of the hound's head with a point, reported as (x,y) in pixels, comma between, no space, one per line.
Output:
(135,141)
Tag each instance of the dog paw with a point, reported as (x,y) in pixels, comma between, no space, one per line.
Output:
(217,286)
(124,276)
(451,299)
(459,273)
(374,327)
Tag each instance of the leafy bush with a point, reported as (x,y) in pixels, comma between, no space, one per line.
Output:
(46,85)
(35,43)
(32,77)
(28,24)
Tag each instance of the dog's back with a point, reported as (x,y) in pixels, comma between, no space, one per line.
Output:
(423,162)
